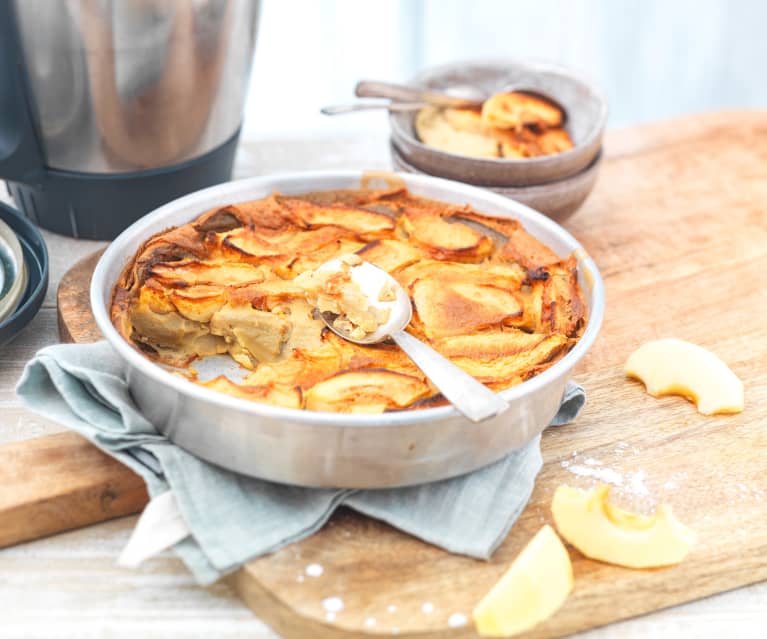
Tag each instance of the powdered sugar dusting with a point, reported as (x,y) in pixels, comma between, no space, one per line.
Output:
(333,604)
(456,620)
(606,475)
(636,483)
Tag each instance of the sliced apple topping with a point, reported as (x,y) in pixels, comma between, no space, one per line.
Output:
(366,391)
(605,532)
(367,224)
(534,588)
(445,240)
(675,367)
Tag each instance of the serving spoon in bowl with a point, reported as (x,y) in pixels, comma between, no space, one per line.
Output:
(406,98)
(472,398)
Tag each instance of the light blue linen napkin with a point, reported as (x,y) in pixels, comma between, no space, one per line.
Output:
(234,518)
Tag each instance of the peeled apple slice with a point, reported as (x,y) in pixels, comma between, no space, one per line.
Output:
(535,586)
(605,532)
(675,367)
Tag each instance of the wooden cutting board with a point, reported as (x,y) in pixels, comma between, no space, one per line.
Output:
(678,226)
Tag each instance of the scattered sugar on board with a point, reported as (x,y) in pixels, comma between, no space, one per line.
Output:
(370,622)
(630,484)
(607,475)
(391,609)
(427,608)
(333,604)
(456,620)
(314,570)
(636,483)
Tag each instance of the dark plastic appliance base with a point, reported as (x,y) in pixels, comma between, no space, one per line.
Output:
(98,206)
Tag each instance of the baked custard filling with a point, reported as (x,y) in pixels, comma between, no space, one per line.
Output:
(485,293)
(335,291)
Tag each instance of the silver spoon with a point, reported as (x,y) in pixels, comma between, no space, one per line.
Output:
(472,398)
(342,109)
(406,98)
(458,96)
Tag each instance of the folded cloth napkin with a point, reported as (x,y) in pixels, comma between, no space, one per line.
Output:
(233,518)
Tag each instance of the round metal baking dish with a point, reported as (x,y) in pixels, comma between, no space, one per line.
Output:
(331,449)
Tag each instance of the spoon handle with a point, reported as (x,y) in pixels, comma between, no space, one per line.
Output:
(342,109)
(403,93)
(475,400)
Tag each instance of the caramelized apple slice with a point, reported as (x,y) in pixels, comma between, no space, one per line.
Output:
(433,128)
(390,255)
(366,224)
(304,368)
(175,274)
(501,358)
(198,303)
(286,396)
(366,391)
(445,240)
(515,110)
(449,308)
(605,532)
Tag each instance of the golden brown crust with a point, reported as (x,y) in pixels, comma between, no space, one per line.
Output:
(486,294)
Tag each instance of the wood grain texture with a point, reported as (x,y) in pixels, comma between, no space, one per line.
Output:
(678,227)
(76,323)
(60,482)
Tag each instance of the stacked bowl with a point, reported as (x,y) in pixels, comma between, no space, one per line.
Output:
(556,184)
(23,272)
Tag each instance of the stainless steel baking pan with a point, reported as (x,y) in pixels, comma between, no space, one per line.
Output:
(330,449)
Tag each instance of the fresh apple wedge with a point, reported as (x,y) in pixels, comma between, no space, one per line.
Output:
(535,586)
(675,367)
(605,532)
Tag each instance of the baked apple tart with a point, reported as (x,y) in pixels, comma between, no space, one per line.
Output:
(486,294)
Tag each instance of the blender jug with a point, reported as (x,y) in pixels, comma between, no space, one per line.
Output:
(109,108)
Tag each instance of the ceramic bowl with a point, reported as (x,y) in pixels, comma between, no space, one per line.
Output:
(13,271)
(586,119)
(35,259)
(558,200)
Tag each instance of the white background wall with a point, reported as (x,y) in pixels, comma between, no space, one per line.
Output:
(652,58)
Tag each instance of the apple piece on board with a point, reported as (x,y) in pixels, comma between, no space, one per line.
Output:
(605,532)
(675,367)
(534,588)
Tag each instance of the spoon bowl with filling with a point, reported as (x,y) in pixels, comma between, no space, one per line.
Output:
(364,304)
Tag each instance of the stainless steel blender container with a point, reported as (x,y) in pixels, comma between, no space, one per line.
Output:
(109,108)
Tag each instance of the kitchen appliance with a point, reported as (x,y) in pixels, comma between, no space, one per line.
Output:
(109,108)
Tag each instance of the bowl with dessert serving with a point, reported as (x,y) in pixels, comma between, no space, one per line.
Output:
(228,358)
(516,139)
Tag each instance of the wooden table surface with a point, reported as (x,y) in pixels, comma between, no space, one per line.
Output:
(68,585)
